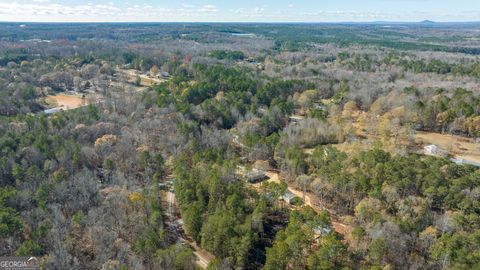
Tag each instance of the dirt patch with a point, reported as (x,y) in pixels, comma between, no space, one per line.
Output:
(341,229)
(273,177)
(203,257)
(145,80)
(66,102)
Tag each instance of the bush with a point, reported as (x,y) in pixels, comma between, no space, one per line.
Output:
(297,201)
(29,248)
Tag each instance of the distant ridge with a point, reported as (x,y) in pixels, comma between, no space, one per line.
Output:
(427,22)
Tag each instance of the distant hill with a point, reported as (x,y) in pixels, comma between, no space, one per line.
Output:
(427,22)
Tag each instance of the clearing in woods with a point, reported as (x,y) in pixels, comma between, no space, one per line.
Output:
(312,201)
(66,102)
(458,146)
(145,80)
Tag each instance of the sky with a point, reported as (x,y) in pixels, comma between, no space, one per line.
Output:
(239,11)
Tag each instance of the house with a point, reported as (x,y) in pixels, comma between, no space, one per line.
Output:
(431,150)
(295,118)
(255,176)
(287,196)
(236,140)
(252,176)
(319,106)
(322,230)
(162,186)
(262,110)
(163,75)
(52,111)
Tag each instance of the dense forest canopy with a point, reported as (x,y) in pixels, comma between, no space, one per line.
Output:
(240,146)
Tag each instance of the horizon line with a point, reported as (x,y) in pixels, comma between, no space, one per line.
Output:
(426,21)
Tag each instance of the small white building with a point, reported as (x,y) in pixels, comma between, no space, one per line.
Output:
(163,75)
(53,110)
(431,150)
(287,196)
(322,230)
(319,106)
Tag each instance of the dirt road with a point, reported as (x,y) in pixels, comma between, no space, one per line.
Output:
(310,200)
(175,224)
(203,258)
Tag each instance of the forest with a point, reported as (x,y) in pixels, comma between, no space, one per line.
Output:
(240,146)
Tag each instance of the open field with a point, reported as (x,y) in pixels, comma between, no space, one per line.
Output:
(65,102)
(145,80)
(458,146)
(454,145)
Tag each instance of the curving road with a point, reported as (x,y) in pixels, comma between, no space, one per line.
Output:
(309,200)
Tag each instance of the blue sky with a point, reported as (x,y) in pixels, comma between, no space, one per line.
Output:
(239,11)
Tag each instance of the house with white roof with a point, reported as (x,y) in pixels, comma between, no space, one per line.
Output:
(431,150)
